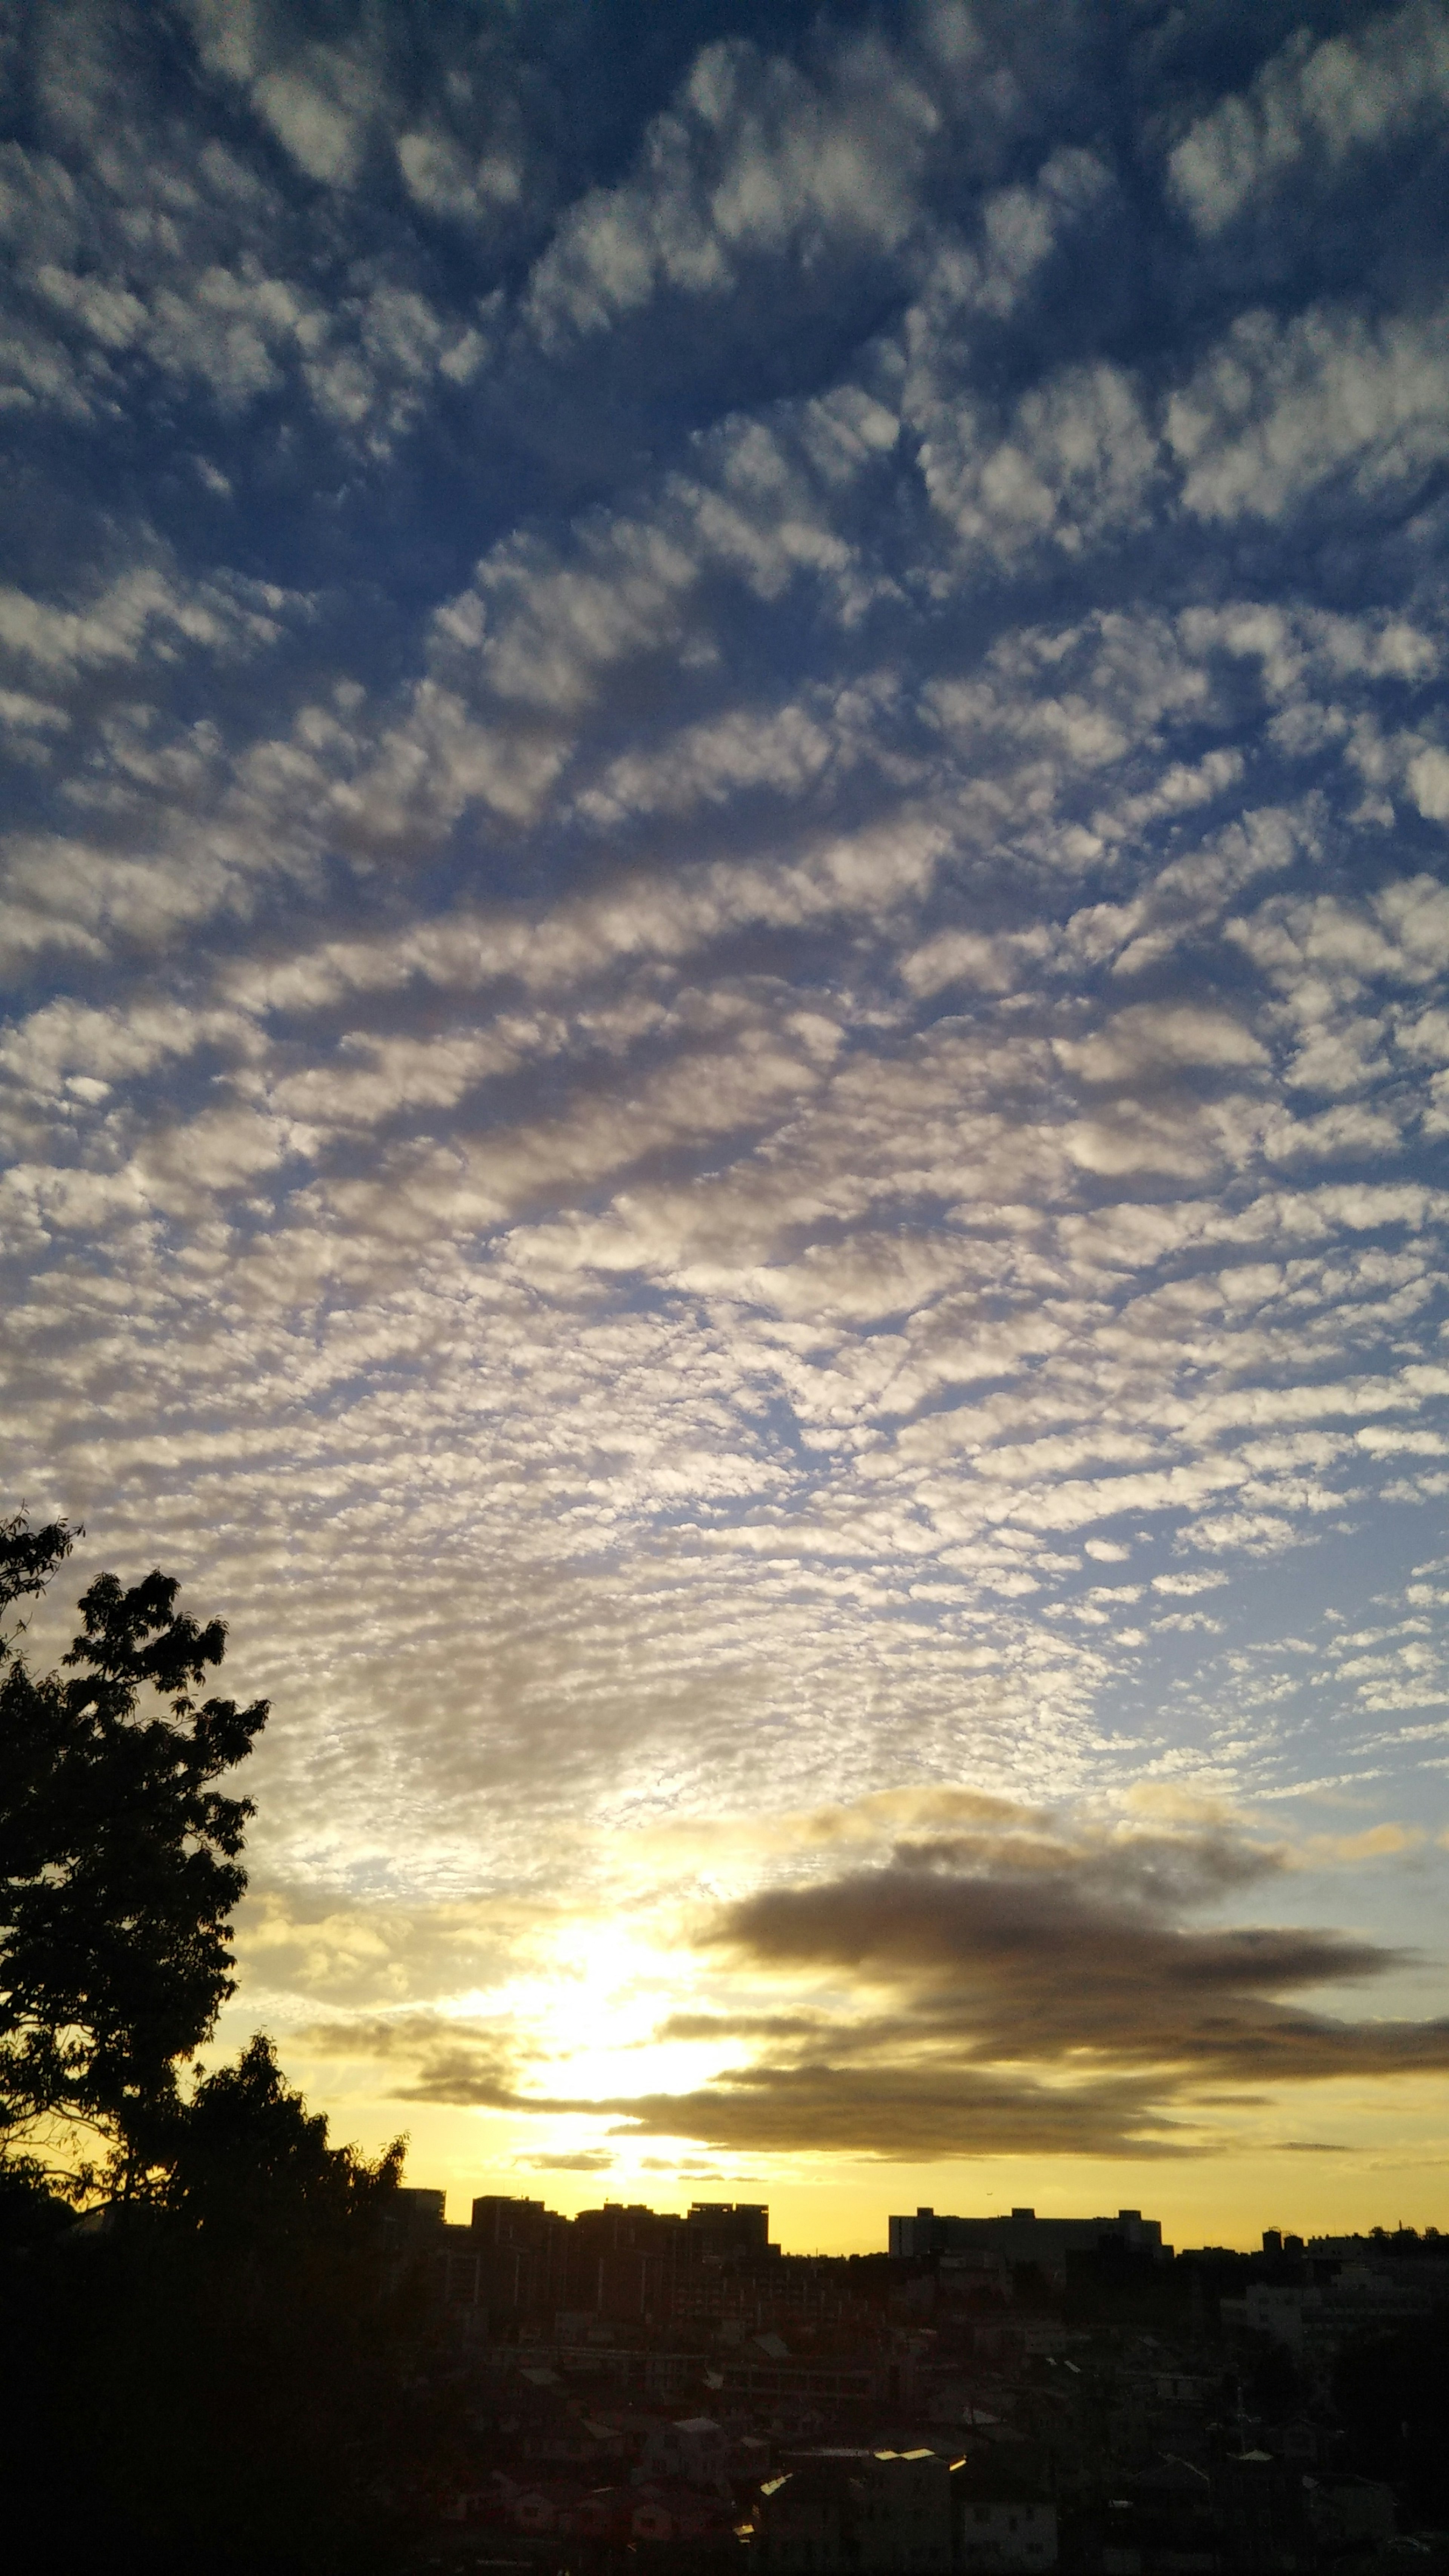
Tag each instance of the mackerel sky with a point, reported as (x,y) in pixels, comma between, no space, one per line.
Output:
(726,1064)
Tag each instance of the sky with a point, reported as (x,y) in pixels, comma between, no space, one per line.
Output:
(725,1061)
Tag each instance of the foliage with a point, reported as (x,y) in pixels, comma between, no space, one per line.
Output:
(1273,2387)
(1392,2394)
(118,1860)
(217,2361)
(216,2379)
(28,1557)
(247,2164)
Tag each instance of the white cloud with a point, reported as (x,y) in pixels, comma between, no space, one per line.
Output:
(1273,412)
(139,610)
(317,99)
(449,181)
(751,160)
(856,877)
(545,633)
(1190,893)
(710,763)
(1428,782)
(985,963)
(67,1040)
(1156,1037)
(1019,229)
(1332,947)
(1181,786)
(314,117)
(164,244)
(1074,466)
(1310,109)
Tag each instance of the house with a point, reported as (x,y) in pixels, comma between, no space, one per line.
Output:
(903,2512)
(887,2512)
(797,2523)
(998,2537)
(675,2513)
(1347,2515)
(696,2451)
(541,2508)
(1261,2508)
(606,2513)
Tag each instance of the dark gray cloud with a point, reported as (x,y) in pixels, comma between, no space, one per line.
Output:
(461,2063)
(1015,1963)
(914,2114)
(1055,1998)
(1076,1964)
(583,2160)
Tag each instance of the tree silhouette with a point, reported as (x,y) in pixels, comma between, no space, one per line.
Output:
(247,2165)
(217,2385)
(118,1863)
(28,1557)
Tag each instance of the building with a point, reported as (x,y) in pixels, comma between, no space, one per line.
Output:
(800,2521)
(1312,2318)
(523,2250)
(1346,2514)
(665,2513)
(1024,2238)
(1260,2512)
(623,2262)
(885,2513)
(694,2452)
(1002,2537)
(413,2207)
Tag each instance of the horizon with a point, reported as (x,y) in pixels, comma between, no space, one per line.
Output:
(725,1062)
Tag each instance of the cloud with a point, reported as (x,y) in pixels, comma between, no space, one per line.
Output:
(462,2061)
(726,949)
(449,181)
(1004,1987)
(1272,413)
(1156,1037)
(140,611)
(1074,466)
(991,965)
(751,160)
(1069,1957)
(154,241)
(1310,110)
(583,2160)
(1190,892)
(711,762)
(317,99)
(66,1042)
(913,2115)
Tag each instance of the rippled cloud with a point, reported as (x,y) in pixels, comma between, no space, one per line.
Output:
(726,1055)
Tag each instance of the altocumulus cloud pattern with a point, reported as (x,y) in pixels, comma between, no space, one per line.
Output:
(726,1060)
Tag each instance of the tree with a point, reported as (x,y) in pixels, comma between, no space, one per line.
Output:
(28,1558)
(222,2384)
(247,2164)
(118,1861)
(1392,2396)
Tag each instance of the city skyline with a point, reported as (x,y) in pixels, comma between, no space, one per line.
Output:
(725,1062)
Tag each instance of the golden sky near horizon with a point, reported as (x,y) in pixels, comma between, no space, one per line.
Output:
(726,1063)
